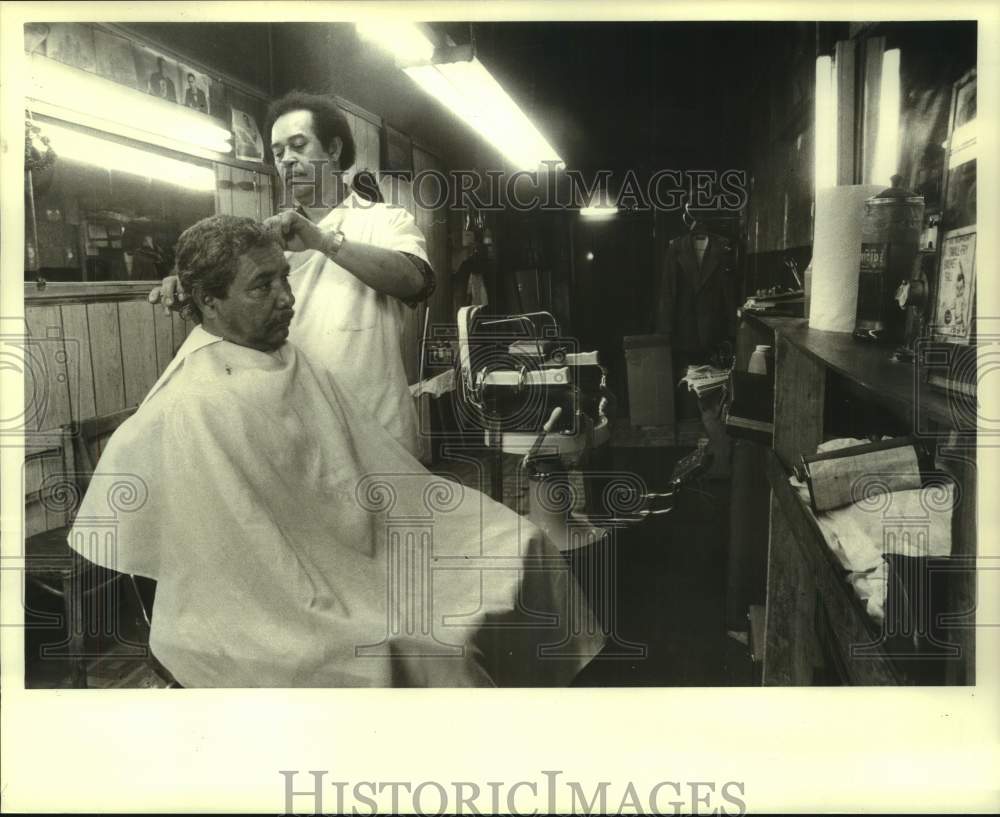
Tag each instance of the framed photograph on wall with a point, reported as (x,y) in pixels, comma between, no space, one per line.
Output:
(953,316)
(246,136)
(196,93)
(114,58)
(156,74)
(72,44)
(954,304)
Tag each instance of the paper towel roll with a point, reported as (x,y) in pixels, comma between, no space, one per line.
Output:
(837,256)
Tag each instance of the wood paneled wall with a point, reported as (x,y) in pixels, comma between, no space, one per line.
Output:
(87,360)
(366,142)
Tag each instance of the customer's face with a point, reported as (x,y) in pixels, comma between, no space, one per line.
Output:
(257,309)
(299,154)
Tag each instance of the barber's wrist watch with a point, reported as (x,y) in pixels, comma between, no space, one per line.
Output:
(332,242)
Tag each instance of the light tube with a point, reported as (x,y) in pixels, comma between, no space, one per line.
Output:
(826,124)
(469,91)
(405,41)
(77,96)
(600,211)
(102,153)
(887,137)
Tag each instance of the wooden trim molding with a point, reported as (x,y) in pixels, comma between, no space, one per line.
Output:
(77,292)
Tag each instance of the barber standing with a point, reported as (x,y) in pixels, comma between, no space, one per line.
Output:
(355,264)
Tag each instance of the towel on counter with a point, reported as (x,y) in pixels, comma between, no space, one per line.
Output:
(914,522)
(296,544)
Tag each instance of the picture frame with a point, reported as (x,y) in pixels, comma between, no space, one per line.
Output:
(956,286)
(195,90)
(156,73)
(953,306)
(247,141)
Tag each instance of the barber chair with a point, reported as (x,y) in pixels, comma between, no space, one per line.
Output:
(529,391)
(516,374)
(91,598)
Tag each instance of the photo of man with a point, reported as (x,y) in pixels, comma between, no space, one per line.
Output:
(160,84)
(156,74)
(195,90)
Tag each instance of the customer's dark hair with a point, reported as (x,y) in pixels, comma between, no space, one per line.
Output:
(208,253)
(328,120)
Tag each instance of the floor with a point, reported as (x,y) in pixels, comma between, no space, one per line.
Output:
(671,589)
(121,662)
(667,628)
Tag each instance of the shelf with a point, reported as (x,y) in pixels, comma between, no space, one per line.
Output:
(871,369)
(75,292)
(858,637)
(817,628)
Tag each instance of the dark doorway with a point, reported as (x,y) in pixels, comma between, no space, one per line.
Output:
(614,287)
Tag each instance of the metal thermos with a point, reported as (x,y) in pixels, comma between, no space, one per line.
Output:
(890,241)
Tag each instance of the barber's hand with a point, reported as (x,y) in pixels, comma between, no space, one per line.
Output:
(168,293)
(294,232)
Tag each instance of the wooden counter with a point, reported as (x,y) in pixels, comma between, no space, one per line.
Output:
(816,628)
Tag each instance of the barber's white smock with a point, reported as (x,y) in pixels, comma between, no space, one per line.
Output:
(348,329)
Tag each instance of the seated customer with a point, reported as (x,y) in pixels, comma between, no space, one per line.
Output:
(294,541)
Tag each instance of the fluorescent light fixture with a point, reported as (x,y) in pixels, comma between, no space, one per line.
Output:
(470,91)
(599,211)
(405,41)
(108,155)
(76,96)
(826,124)
(887,137)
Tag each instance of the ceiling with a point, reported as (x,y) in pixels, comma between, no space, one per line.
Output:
(606,95)
(622,95)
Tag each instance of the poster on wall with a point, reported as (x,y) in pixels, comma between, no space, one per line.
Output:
(156,74)
(72,44)
(114,58)
(953,311)
(246,137)
(197,89)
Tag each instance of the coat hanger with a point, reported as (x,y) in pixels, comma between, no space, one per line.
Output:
(692,223)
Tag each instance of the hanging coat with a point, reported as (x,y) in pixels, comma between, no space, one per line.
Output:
(697,305)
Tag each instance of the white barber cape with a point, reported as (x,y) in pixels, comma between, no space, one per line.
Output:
(296,544)
(347,328)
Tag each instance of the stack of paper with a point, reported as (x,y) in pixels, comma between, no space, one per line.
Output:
(703,379)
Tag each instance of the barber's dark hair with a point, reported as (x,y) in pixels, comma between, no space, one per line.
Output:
(328,121)
(208,253)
